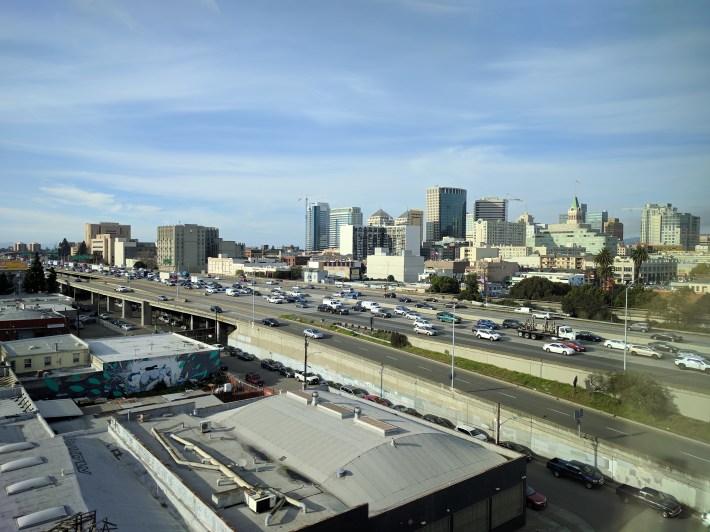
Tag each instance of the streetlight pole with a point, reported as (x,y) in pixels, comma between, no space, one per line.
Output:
(626,321)
(252,305)
(453,347)
(305,361)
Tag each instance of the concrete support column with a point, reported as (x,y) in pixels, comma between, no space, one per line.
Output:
(146,314)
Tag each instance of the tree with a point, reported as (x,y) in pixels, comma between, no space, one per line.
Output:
(604,264)
(52,285)
(82,249)
(296,272)
(639,254)
(390,278)
(700,271)
(539,288)
(64,249)
(586,301)
(472,291)
(139,264)
(444,285)
(34,278)
(6,284)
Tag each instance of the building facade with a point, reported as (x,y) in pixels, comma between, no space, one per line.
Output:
(413,217)
(361,241)
(490,209)
(498,233)
(613,227)
(317,226)
(664,226)
(100,239)
(380,218)
(445,213)
(186,247)
(340,217)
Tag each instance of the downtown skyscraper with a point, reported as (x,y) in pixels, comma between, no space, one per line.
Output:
(445,213)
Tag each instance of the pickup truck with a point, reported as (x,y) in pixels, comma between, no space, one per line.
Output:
(585,473)
(666,504)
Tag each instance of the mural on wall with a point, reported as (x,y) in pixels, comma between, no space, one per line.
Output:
(147,374)
(128,377)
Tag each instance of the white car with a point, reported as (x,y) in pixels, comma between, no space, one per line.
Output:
(543,315)
(558,348)
(693,361)
(313,333)
(424,329)
(487,334)
(423,321)
(122,289)
(275,299)
(401,310)
(614,344)
(412,315)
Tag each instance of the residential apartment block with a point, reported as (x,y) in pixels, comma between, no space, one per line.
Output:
(663,225)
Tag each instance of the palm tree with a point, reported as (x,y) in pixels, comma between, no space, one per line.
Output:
(604,263)
(639,255)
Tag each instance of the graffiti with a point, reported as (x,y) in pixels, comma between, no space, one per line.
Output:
(77,457)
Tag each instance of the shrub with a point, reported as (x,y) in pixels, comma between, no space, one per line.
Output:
(398,340)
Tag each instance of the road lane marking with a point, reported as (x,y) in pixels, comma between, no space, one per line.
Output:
(563,413)
(697,457)
(467,382)
(393,358)
(422,367)
(619,431)
(508,395)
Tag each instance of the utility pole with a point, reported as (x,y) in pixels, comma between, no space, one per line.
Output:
(305,361)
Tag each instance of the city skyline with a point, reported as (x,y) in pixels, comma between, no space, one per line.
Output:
(230,114)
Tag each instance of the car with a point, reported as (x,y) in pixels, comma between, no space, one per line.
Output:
(215,308)
(543,315)
(518,448)
(405,300)
(301,304)
(270,322)
(162,298)
(511,323)
(614,344)
(390,295)
(689,361)
(473,432)
(384,402)
(667,336)
(455,304)
(423,321)
(351,390)
(127,326)
(412,315)
(271,365)
(287,371)
(421,328)
(340,309)
(589,336)
(534,499)
(487,324)
(323,308)
(254,379)
(487,334)
(381,313)
(401,310)
(276,300)
(557,347)
(308,378)
(448,317)
(663,347)
(644,350)
(640,327)
(104,316)
(407,410)
(438,420)
(243,355)
(431,300)
(313,333)
(426,306)
(574,345)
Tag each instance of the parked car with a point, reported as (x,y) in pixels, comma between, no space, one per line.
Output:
(254,379)
(688,361)
(574,345)
(313,333)
(407,410)
(243,355)
(588,336)
(588,474)
(614,344)
(512,324)
(487,324)
(663,347)
(518,448)
(534,499)
(270,322)
(351,390)
(640,327)
(438,420)
(271,365)
(308,378)
(287,371)
(487,334)
(474,432)
(667,336)
(666,504)
(215,308)
(557,347)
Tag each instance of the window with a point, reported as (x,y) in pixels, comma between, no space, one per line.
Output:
(76,358)
(47,361)
(28,363)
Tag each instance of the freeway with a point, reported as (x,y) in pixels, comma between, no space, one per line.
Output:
(668,449)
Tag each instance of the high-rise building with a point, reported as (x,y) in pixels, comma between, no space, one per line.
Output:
(663,225)
(413,217)
(340,217)
(186,247)
(490,209)
(317,226)
(615,228)
(380,219)
(596,220)
(445,213)
(498,233)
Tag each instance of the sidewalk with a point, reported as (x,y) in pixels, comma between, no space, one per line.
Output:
(555,518)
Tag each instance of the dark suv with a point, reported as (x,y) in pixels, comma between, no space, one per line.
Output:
(511,324)
(271,365)
(271,322)
(390,294)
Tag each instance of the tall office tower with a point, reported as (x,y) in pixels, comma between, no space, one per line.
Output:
(186,247)
(614,227)
(340,217)
(317,226)
(596,220)
(445,213)
(663,225)
(380,219)
(491,209)
(413,217)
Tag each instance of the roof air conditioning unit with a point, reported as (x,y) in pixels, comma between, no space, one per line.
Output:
(259,501)
(205,426)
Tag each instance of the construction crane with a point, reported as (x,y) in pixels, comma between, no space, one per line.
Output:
(305,199)
(632,209)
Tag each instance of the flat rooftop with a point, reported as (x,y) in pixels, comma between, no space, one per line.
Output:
(44,345)
(323,456)
(116,349)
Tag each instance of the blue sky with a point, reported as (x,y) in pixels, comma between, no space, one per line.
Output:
(225,113)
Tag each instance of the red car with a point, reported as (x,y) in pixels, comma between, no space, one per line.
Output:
(574,345)
(534,499)
(380,400)
(254,379)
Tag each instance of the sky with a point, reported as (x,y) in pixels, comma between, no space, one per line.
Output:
(231,113)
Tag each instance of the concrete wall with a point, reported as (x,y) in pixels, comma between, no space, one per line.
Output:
(432,397)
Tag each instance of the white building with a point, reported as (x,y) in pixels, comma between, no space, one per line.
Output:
(405,268)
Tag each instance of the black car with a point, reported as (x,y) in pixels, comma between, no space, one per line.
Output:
(271,365)
(340,310)
(663,347)
(518,448)
(287,371)
(271,322)
(390,294)
(215,308)
(323,308)
(455,305)
(589,336)
(511,324)
(431,299)
(667,337)
(405,300)
(425,306)
(441,421)
(243,355)
(407,410)
(381,313)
